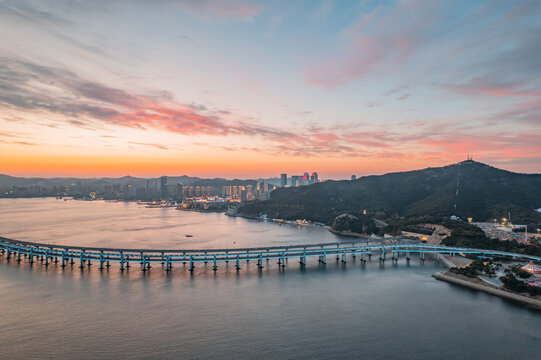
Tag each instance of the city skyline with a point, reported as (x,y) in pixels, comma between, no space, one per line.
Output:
(244,89)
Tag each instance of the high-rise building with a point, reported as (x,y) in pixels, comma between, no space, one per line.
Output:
(163,187)
(107,191)
(283,180)
(313,178)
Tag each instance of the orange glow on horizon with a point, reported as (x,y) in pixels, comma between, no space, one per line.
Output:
(117,166)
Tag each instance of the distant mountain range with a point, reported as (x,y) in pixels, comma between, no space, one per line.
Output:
(466,189)
(8,181)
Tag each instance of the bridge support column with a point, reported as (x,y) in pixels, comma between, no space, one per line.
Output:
(206,257)
(344,257)
(143,263)
(324,257)
(82,266)
(214,267)
(31,256)
(163,259)
(8,255)
(63,259)
(363,257)
(283,260)
(101,261)
(192,266)
(260,261)
(121,261)
(422,256)
(237,266)
(168,265)
(18,255)
(128,262)
(382,254)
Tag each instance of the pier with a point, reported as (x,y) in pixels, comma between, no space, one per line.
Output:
(84,257)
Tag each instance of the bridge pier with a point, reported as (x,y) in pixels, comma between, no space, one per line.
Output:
(260,261)
(344,257)
(192,266)
(63,259)
(82,266)
(382,254)
(18,255)
(422,256)
(101,260)
(283,260)
(143,263)
(303,259)
(168,265)
(214,267)
(163,259)
(31,256)
(237,266)
(121,261)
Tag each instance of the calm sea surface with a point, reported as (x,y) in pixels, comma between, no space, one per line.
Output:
(338,311)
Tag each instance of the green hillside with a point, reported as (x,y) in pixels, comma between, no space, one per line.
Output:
(484,193)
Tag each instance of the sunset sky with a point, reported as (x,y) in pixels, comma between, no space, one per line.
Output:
(255,88)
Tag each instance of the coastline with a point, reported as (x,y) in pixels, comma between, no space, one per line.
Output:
(349,233)
(525,300)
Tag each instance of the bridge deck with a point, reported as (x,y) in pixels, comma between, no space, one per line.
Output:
(125,256)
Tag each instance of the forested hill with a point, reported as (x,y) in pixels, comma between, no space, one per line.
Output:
(478,190)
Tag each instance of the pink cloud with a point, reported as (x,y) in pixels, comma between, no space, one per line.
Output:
(484,86)
(381,39)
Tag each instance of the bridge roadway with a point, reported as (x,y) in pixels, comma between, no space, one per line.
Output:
(68,255)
